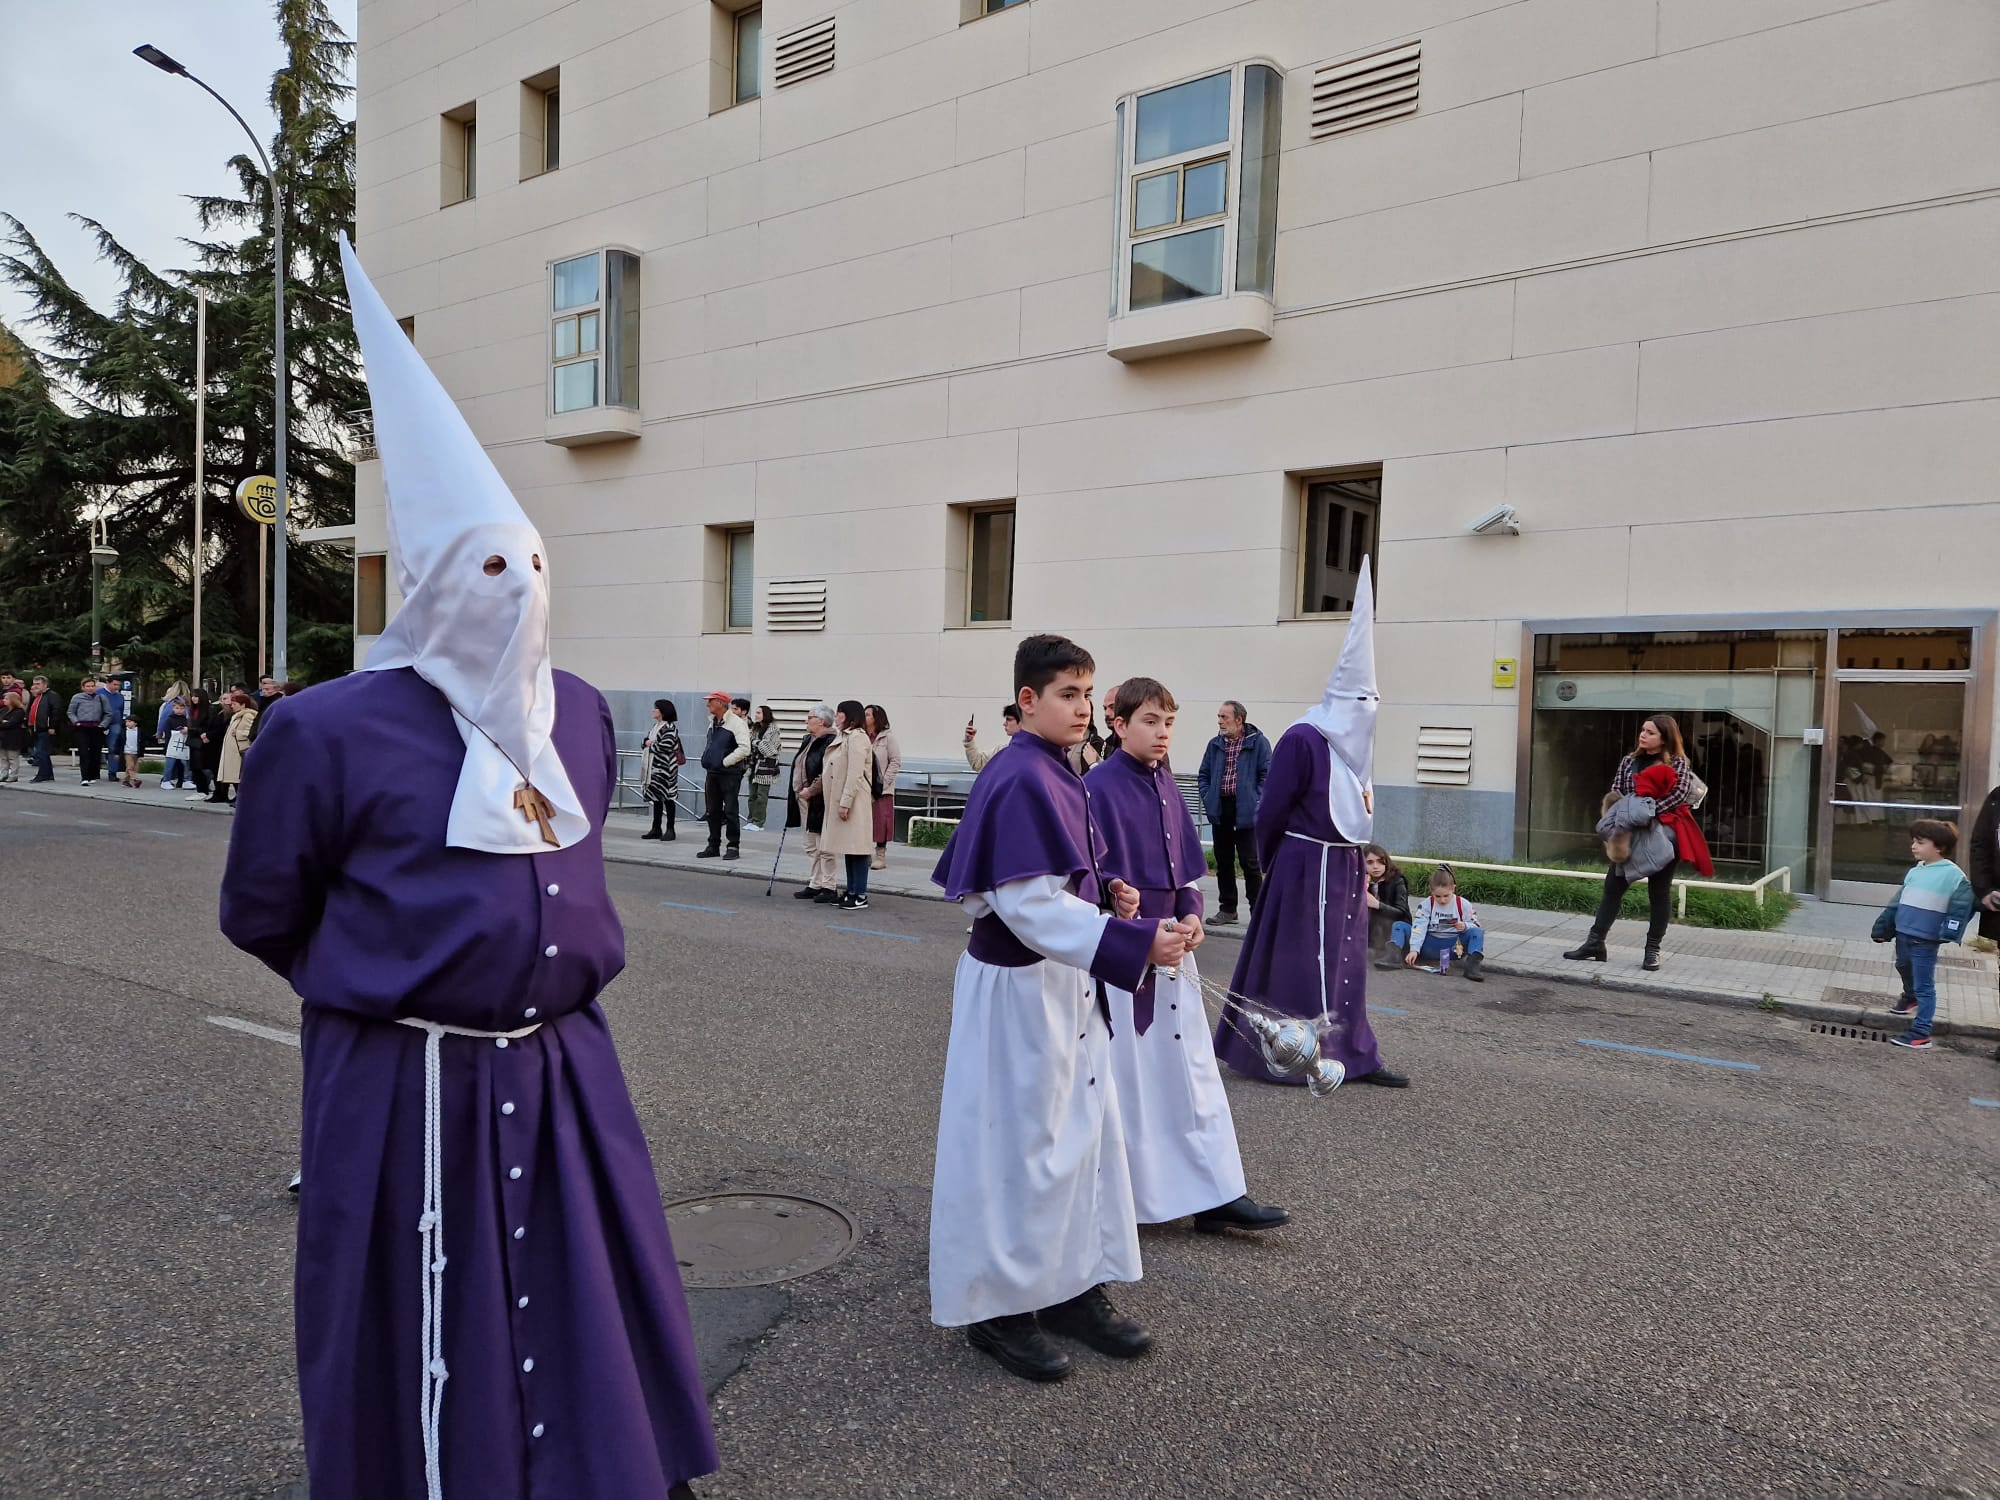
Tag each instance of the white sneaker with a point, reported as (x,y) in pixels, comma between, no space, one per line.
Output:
(753,827)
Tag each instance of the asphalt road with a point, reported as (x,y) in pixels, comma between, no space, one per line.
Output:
(1547,1269)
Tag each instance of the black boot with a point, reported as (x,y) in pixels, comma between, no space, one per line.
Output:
(1388,956)
(654,831)
(668,836)
(1243,1213)
(1474,962)
(1652,959)
(1091,1319)
(1592,948)
(1020,1347)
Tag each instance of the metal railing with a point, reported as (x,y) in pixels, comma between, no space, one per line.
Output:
(361,435)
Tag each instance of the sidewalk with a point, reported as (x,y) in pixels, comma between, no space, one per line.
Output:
(1819,965)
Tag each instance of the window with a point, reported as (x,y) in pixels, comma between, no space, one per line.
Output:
(749,52)
(989,572)
(371,599)
(594,331)
(1340,526)
(972,10)
(409,327)
(1198,206)
(736,53)
(742,571)
(541,123)
(459,155)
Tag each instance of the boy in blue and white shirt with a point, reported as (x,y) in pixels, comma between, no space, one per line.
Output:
(1931,910)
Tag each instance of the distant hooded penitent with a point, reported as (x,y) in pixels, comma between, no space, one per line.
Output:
(1346,717)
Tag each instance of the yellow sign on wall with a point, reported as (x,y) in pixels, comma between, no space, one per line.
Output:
(1506,671)
(257,498)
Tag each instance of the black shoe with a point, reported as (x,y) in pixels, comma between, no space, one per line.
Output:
(1389,956)
(1091,1319)
(1591,949)
(681,1492)
(1020,1347)
(669,837)
(709,853)
(1904,1007)
(292,1187)
(1223,919)
(857,903)
(1652,959)
(1244,1213)
(827,898)
(805,893)
(1474,962)
(732,853)
(1383,1078)
(652,834)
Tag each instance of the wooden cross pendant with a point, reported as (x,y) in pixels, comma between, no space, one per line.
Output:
(535,808)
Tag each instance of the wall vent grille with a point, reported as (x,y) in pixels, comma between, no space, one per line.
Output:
(804,53)
(1361,91)
(795,604)
(1444,757)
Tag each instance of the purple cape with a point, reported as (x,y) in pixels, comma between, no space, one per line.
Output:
(1150,843)
(571,1368)
(1028,816)
(1280,966)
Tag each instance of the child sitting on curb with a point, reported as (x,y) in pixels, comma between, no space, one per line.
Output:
(1932,909)
(1388,906)
(1444,923)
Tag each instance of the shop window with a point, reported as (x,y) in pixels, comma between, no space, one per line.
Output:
(1340,524)
(594,331)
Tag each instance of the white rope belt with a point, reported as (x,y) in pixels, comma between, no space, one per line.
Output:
(1325,1000)
(1323,843)
(431,1227)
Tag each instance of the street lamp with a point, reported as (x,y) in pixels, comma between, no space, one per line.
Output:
(102,556)
(166,64)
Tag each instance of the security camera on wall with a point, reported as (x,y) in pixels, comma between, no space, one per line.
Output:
(1500,521)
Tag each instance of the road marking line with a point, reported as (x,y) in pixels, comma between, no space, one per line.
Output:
(901,937)
(91,823)
(721,911)
(1389,1010)
(1987,1103)
(161,833)
(1718,1062)
(26,814)
(251,1028)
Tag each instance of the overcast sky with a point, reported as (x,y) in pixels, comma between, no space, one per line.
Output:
(92,130)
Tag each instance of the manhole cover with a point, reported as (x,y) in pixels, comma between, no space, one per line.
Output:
(755,1239)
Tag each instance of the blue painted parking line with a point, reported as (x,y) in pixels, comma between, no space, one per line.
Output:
(1987,1103)
(720,911)
(1388,1010)
(901,937)
(1714,1062)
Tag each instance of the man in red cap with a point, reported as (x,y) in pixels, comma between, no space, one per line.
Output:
(723,756)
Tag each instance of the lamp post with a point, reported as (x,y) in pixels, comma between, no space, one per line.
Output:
(166,64)
(102,555)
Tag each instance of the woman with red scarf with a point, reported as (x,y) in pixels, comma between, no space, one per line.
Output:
(1656,768)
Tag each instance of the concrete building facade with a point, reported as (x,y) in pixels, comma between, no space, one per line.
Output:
(836,344)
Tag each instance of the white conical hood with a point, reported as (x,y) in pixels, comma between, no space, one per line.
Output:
(482,640)
(1346,717)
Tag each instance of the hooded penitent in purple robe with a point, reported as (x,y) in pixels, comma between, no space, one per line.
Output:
(1306,953)
(1031,1203)
(570,1370)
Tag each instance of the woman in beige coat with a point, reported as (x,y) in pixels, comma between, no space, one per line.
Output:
(235,742)
(850,804)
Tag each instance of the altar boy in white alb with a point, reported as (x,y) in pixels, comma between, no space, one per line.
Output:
(1180,1141)
(1031,1204)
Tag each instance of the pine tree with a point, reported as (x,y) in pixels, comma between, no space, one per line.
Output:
(106,407)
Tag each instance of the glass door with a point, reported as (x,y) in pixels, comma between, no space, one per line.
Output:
(1897,753)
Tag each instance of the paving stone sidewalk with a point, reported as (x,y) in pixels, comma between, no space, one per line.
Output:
(1820,964)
